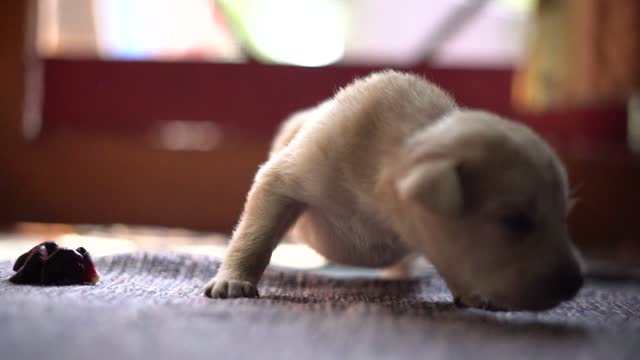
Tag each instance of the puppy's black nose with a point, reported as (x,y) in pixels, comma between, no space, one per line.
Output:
(564,285)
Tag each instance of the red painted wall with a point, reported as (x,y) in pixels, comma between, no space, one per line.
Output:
(254,98)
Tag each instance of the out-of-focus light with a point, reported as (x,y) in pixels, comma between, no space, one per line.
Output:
(187,135)
(297,256)
(519,5)
(97,245)
(305,33)
(167,29)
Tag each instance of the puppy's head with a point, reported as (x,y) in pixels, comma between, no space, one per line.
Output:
(488,201)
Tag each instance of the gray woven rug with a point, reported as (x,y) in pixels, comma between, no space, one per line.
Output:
(150,306)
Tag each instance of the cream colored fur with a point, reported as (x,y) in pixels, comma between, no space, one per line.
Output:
(391,167)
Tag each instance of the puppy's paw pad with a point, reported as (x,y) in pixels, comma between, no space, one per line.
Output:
(223,289)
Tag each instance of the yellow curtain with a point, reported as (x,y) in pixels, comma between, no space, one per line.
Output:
(581,52)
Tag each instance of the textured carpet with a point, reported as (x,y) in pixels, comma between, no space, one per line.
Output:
(149,306)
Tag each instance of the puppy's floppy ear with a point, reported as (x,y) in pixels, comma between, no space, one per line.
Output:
(435,184)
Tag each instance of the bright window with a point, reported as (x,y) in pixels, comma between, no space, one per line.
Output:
(299,32)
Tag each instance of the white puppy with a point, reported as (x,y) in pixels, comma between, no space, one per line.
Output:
(391,166)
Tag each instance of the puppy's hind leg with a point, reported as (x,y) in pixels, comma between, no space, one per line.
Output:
(288,129)
(268,214)
(402,270)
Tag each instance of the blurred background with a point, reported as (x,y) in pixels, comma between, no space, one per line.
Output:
(304,33)
(155,114)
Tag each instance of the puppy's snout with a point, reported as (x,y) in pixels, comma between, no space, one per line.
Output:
(565,284)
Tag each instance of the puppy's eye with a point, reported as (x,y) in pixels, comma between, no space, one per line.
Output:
(518,223)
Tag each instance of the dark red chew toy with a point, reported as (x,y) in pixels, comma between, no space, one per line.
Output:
(49,264)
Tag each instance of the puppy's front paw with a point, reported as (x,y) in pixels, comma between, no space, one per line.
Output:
(226,288)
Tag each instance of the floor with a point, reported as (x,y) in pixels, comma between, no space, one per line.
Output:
(150,306)
(118,239)
(104,240)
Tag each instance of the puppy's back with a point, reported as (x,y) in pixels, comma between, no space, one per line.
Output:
(345,141)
